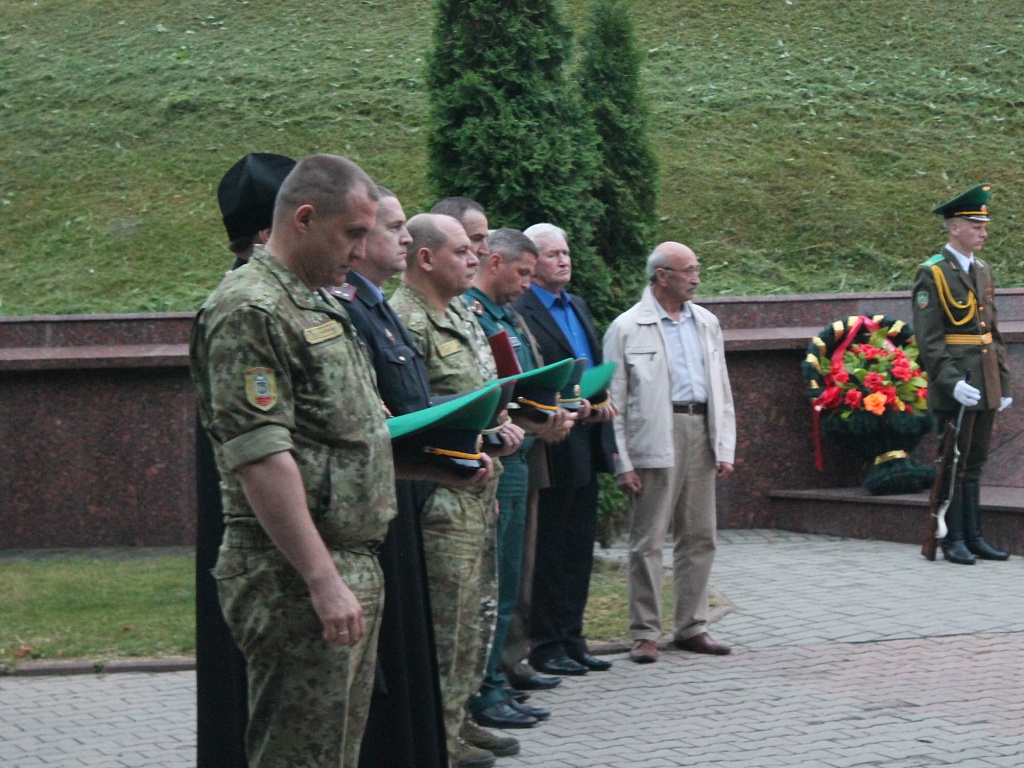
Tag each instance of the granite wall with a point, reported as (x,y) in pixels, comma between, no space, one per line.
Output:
(97,419)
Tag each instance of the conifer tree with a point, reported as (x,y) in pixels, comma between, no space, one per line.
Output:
(609,80)
(507,126)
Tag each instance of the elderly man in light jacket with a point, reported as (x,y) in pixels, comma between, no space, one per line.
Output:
(676,433)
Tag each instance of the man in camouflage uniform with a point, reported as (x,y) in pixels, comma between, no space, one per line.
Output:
(963,354)
(441,266)
(308,481)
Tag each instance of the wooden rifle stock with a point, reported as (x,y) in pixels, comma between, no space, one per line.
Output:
(940,488)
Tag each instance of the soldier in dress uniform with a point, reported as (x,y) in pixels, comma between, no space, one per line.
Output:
(962,352)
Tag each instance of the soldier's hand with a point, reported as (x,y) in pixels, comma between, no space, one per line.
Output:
(557,426)
(724,469)
(965,394)
(605,413)
(339,611)
(1005,403)
(512,436)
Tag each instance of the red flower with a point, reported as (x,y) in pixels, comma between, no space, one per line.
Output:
(890,394)
(901,372)
(853,398)
(841,376)
(874,381)
(831,398)
(923,393)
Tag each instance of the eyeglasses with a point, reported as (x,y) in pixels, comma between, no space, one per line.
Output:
(689,271)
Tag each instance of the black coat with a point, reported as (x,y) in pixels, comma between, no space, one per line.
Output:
(574,461)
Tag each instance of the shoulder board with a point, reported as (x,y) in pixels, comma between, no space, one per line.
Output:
(265,300)
(345,291)
(979,263)
(933,260)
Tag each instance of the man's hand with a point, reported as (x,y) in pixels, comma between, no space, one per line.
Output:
(338,609)
(512,436)
(1005,403)
(965,394)
(723,470)
(557,426)
(605,413)
(629,482)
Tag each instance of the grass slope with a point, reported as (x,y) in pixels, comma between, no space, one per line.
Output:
(802,143)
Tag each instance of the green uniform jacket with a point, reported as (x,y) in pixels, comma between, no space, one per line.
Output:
(278,367)
(957,332)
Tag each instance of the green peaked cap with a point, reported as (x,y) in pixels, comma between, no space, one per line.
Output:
(537,391)
(972,204)
(552,376)
(470,413)
(596,380)
(571,397)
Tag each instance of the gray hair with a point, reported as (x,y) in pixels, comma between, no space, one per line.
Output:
(538,231)
(511,244)
(657,260)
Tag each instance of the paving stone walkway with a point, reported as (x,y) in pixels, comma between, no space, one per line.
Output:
(846,653)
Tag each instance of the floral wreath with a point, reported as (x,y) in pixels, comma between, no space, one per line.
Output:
(868,390)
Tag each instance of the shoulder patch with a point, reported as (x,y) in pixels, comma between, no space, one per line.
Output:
(449,348)
(922,299)
(261,388)
(933,260)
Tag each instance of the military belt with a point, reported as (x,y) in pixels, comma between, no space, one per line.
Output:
(968,338)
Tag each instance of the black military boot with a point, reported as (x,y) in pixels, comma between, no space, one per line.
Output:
(972,525)
(953,548)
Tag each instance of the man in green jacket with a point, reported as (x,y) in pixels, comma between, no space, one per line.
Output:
(963,354)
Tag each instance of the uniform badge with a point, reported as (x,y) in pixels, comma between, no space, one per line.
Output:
(261,388)
(345,292)
(477,307)
(922,299)
(325,332)
(390,335)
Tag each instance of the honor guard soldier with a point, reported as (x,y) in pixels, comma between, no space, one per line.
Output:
(962,352)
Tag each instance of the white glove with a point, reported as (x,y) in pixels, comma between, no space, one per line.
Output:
(1005,403)
(965,394)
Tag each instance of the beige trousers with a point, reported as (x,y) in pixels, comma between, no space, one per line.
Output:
(685,496)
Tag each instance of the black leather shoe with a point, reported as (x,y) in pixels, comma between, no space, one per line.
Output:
(561,665)
(538,713)
(502,715)
(535,683)
(518,696)
(592,663)
(957,552)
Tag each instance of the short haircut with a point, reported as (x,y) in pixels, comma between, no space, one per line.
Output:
(325,182)
(425,233)
(511,244)
(537,231)
(457,207)
(657,260)
(383,192)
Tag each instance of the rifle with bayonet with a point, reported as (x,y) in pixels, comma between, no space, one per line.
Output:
(942,489)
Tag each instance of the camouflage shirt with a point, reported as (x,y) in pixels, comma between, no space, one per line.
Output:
(278,367)
(453,344)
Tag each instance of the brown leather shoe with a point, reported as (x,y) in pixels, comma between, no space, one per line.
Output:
(702,643)
(643,652)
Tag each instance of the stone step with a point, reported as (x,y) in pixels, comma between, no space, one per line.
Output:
(855,513)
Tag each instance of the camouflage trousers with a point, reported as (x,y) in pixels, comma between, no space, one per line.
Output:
(308,699)
(455,527)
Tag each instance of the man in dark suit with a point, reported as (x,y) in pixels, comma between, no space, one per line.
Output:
(567,510)
(963,354)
